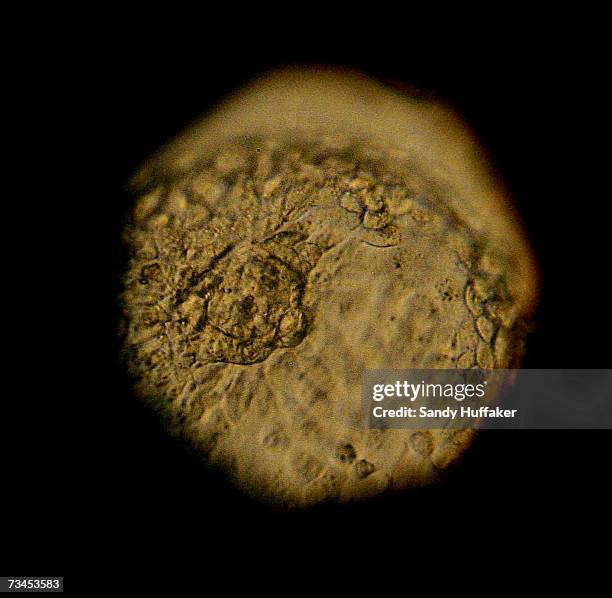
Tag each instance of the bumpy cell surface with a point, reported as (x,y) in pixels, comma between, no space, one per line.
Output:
(269,271)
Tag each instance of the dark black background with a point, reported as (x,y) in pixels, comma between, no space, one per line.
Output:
(121,490)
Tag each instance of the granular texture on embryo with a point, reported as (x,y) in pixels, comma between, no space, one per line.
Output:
(269,265)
